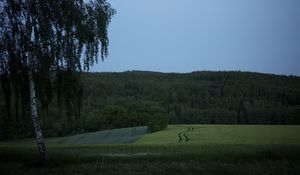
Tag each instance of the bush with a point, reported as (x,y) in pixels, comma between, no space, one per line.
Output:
(94,122)
(115,116)
(157,122)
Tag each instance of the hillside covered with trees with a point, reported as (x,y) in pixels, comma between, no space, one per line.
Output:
(135,98)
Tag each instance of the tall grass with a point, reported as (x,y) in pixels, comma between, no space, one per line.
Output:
(153,159)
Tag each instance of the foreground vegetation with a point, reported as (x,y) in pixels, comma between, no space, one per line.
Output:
(159,159)
(211,149)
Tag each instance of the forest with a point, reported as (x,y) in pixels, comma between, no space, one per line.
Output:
(139,98)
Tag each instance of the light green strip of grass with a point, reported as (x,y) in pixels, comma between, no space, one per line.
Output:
(225,134)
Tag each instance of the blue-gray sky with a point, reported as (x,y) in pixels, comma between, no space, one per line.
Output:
(195,35)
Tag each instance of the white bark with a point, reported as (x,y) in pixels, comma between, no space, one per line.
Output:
(34,117)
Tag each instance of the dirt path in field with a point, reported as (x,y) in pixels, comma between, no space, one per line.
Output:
(183,135)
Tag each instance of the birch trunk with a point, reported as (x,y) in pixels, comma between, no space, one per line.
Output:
(35,121)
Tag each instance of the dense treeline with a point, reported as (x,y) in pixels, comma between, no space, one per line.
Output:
(200,97)
(115,100)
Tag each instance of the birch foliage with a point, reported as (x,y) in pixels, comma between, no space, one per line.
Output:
(55,40)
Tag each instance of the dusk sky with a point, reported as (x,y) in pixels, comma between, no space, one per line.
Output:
(195,35)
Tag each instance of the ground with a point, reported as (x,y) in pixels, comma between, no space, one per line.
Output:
(180,149)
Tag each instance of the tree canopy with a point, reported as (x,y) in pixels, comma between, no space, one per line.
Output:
(54,40)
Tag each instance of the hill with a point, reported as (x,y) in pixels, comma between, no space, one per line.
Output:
(127,99)
(198,97)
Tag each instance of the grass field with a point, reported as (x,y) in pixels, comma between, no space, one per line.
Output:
(225,134)
(114,136)
(180,149)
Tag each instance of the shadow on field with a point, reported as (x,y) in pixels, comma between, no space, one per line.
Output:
(129,159)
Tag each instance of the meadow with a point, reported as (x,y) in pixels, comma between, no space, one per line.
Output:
(225,134)
(179,149)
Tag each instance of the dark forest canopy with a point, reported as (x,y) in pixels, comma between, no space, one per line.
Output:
(114,100)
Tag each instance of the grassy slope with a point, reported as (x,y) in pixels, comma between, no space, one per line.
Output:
(114,136)
(225,134)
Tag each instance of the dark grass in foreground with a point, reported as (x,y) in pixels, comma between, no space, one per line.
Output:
(153,159)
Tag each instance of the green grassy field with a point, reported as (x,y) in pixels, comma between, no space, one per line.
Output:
(180,149)
(225,134)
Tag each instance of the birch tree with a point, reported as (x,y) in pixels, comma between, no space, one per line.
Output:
(44,45)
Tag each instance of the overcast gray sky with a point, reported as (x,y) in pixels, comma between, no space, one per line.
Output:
(195,35)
